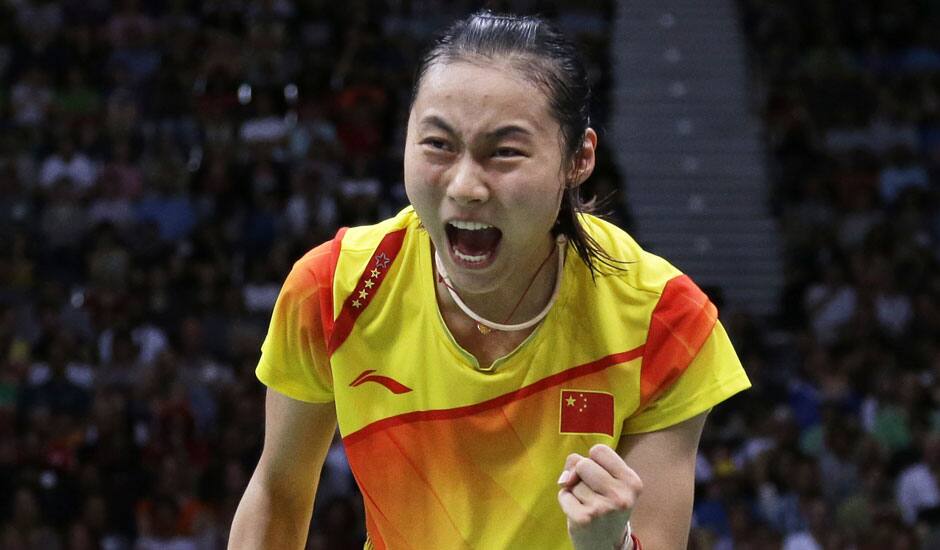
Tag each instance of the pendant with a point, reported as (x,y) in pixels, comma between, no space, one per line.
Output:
(484,330)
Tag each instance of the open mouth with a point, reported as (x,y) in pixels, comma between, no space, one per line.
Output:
(472,244)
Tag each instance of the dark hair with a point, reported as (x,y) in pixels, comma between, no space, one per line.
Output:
(542,54)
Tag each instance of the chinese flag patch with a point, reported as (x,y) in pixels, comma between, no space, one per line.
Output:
(587,412)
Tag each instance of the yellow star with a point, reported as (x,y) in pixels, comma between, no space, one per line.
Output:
(570,401)
(375,273)
(357,304)
(363,294)
(369,283)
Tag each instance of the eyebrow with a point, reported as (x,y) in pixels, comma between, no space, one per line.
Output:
(494,135)
(508,130)
(438,122)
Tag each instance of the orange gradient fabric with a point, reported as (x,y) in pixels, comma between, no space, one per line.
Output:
(449,456)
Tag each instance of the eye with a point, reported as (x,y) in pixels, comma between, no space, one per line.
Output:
(507,152)
(436,143)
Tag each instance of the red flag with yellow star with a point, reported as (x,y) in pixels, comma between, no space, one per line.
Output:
(586,412)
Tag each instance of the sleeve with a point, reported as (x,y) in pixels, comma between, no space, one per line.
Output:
(689,364)
(294,359)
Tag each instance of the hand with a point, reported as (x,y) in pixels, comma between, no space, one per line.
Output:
(598,493)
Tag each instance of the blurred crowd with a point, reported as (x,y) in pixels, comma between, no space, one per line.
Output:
(162,164)
(838,444)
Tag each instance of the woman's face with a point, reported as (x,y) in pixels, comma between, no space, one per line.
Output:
(484,171)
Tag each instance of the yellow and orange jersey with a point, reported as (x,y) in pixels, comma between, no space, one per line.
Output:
(451,456)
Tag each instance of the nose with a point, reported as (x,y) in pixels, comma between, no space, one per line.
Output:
(468,183)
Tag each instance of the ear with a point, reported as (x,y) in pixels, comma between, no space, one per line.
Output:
(584,159)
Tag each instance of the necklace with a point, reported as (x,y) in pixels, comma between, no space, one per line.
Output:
(485,326)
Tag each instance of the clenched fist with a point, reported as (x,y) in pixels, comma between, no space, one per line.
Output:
(598,493)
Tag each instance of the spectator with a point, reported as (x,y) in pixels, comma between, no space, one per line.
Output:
(31,98)
(26,529)
(830,304)
(78,100)
(109,204)
(58,385)
(168,205)
(69,165)
(817,535)
(902,172)
(917,487)
(265,127)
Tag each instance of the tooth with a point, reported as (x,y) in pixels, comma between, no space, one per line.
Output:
(468,258)
(467,225)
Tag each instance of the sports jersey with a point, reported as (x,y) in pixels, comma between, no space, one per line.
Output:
(448,455)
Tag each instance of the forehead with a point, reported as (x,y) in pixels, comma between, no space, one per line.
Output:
(482,94)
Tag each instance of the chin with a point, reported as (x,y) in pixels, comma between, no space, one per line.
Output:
(476,279)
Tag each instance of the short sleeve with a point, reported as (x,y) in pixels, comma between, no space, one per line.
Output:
(689,364)
(294,359)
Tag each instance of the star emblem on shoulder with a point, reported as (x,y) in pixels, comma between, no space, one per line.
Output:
(382,261)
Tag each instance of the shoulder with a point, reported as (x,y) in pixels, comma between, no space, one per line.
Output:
(366,238)
(319,263)
(639,270)
(677,315)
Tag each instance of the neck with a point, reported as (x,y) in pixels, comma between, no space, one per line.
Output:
(520,298)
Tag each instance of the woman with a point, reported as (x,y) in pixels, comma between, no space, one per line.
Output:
(468,357)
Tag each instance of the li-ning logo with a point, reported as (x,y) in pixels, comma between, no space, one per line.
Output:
(393,386)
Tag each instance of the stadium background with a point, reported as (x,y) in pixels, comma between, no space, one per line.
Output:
(163,162)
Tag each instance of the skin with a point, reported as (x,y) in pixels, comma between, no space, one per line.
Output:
(482,146)
(276,507)
(600,492)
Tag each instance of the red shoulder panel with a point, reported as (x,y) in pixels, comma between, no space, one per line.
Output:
(369,283)
(680,324)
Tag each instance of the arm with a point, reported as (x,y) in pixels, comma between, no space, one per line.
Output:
(276,507)
(600,492)
(665,461)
